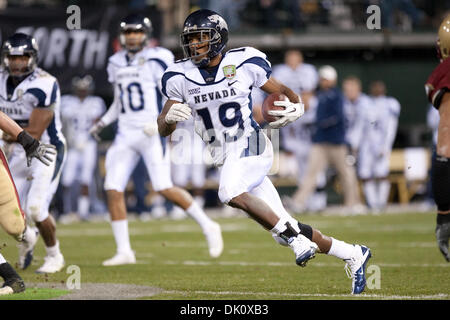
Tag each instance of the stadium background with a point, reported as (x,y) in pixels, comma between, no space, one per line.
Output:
(172,260)
(401,54)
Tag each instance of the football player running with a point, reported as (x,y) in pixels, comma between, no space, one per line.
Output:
(438,92)
(31,97)
(136,72)
(215,86)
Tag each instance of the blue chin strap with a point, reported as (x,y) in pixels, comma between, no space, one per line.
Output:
(202,63)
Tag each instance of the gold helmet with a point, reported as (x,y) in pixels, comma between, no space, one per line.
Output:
(443,41)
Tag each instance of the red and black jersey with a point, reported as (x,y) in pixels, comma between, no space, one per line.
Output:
(438,83)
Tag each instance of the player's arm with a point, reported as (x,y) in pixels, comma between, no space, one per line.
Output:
(172,113)
(40,119)
(272,86)
(109,117)
(31,145)
(293,109)
(9,126)
(113,112)
(443,145)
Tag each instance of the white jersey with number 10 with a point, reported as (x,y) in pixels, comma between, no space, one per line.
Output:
(136,85)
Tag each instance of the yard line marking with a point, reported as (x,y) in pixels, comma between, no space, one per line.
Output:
(228,227)
(417,244)
(380,296)
(288,264)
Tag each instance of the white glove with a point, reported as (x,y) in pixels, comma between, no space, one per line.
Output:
(178,112)
(151,128)
(291,112)
(96,129)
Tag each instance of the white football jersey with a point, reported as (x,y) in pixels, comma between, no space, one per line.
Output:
(381,121)
(38,90)
(220,101)
(136,85)
(79,116)
(354,115)
(302,78)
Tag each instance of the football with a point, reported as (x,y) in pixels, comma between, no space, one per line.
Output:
(268,105)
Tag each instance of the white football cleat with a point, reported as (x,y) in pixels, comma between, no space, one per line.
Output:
(11,286)
(120,258)
(52,264)
(6,290)
(303,248)
(356,268)
(213,234)
(26,247)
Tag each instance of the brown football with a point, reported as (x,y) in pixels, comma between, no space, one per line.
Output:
(268,105)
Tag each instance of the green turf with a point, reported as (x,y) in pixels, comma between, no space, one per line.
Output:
(172,256)
(36,294)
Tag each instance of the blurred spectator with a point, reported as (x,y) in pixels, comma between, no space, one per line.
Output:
(328,146)
(380,129)
(173,14)
(296,138)
(267,8)
(355,105)
(389,9)
(229,10)
(294,17)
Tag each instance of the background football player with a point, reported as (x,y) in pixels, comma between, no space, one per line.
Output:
(188,165)
(355,105)
(136,72)
(297,138)
(79,111)
(380,129)
(437,89)
(215,86)
(31,97)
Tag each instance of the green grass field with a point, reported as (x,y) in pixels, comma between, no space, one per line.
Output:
(172,258)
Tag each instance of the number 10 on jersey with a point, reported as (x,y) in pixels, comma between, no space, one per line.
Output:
(135,97)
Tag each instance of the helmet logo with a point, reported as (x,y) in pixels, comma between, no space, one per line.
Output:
(219,21)
(190,28)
